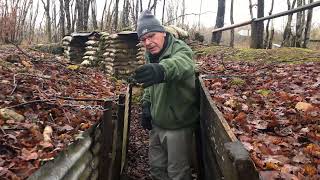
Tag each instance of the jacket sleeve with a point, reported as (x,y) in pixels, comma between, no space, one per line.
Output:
(180,65)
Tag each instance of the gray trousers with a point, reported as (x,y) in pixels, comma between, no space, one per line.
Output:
(169,154)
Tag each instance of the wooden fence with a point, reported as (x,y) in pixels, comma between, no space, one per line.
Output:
(256,36)
(99,153)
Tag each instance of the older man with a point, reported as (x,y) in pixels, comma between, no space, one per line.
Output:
(169,106)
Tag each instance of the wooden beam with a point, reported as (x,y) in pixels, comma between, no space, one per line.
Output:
(291,11)
(301,8)
(233,26)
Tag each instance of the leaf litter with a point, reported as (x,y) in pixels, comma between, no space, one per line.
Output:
(274,110)
(44,105)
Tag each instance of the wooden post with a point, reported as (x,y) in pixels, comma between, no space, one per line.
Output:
(126,127)
(119,137)
(106,141)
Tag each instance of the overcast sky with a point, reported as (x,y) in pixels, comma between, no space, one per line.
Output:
(241,11)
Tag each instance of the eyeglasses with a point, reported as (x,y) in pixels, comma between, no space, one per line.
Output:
(147,36)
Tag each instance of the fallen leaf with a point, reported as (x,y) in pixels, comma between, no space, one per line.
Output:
(47,132)
(28,155)
(10,114)
(303,106)
(241,117)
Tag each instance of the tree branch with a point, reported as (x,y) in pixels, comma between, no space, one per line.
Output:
(195,14)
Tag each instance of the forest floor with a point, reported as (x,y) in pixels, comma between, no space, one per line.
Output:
(271,101)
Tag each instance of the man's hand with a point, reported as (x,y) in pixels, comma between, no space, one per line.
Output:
(146,116)
(149,74)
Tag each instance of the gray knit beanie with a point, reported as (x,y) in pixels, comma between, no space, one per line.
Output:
(148,23)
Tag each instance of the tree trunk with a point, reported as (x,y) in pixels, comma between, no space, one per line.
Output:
(164,5)
(270,41)
(116,12)
(216,37)
(260,25)
(308,27)
(85,19)
(141,7)
(34,22)
(46,7)
(287,31)
(103,14)
(94,14)
(183,12)
(67,12)
(154,7)
(109,17)
(80,9)
(250,9)
(232,22)
(54,19)
(62,23)
(299,26)
(266,43)
(199,15)
(125,14)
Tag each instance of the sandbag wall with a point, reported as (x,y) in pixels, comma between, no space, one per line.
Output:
(119,54)
(66,46)
(140,53)
(91,55)
(96,154)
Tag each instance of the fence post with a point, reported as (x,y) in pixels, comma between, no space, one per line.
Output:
(106,141)
(119,138)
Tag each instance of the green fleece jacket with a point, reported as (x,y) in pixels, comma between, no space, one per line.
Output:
(174,102)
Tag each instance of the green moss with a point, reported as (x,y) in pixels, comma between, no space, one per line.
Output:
(237,81)
(264,92)
(286,55)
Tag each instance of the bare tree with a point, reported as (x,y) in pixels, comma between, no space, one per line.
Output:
(183,11)
(164,5)
(46,6)
(266,43)
(199,15)
(125,14)
(94,14)
(54,22)
(216,37)
(116,14)
(67,13)
(250,9)
(299,26)
(232,22)
(287,31)
(308,27)
(62,15)
(103,14)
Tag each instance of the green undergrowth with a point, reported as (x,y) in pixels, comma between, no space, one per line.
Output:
(287,55)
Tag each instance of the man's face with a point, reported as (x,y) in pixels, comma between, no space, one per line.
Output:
(153,41)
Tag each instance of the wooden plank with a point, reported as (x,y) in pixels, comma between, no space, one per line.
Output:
(107,135)
(233,26)
(126,127)
(118,139)
(216,135)
(285,13)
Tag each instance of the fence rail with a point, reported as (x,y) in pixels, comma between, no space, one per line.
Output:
(256,37)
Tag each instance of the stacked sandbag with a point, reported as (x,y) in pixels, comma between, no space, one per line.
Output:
(177,32)
(91,55)
(119,55)
(66,46)
(140,55)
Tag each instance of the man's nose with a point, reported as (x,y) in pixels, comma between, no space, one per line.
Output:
(148,42)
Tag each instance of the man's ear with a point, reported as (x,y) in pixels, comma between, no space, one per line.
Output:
(164,34)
